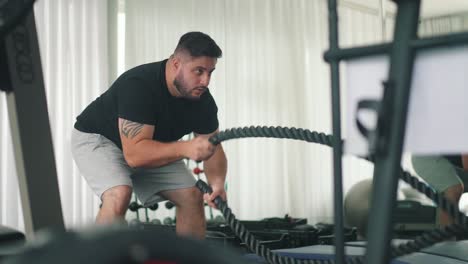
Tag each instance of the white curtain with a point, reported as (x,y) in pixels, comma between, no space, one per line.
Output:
(272,73)
(444,25)
(73,44)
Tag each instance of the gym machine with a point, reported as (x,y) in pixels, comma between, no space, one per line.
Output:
(385,142)
(22,80)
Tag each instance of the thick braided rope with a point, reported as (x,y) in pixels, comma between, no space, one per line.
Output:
(273,132)
(254,245)
(438,235)
(423,241)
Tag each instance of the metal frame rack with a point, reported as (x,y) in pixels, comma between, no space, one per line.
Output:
(386,142)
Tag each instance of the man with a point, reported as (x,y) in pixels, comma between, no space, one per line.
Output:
(446,174)
(127,139)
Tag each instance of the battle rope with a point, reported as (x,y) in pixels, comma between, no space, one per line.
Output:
(252,243)
(423,241)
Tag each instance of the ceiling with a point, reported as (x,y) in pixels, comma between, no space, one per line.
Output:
(430,8)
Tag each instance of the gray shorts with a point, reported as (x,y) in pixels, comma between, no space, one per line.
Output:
(438,172)
(103,166)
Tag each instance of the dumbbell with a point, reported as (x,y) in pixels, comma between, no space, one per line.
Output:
(134,223)
(168,221)
(219,219)
(134,206)
(197,171)
(156,222)
(169,205)
(153,207)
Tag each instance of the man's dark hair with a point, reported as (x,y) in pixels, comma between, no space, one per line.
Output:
(199,44)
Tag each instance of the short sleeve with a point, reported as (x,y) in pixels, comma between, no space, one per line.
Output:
(136,101)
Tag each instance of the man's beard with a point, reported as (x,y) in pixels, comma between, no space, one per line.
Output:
(183,89)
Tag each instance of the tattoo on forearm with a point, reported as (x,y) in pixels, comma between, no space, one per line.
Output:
(131,129)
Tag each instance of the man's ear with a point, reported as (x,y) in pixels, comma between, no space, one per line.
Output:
(176,61)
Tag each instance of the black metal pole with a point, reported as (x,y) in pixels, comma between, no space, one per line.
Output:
(337,145)
(455,39)
(357,52)
(390,132)
(22,79)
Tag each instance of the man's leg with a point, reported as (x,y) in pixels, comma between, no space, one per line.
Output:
(442,175)
(103,166)
(190,211)
(452,194)
(114,204)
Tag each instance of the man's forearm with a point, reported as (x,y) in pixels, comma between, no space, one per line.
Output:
(216,167)
(465,162)
(151,153)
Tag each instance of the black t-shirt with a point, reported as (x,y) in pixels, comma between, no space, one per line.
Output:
(141,95)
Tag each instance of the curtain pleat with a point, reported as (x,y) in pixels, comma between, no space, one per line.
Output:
(73,44)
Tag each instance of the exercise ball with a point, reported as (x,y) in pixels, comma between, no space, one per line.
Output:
(357,205)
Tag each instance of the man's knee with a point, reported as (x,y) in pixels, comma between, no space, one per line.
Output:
(117,198)
(191,197)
